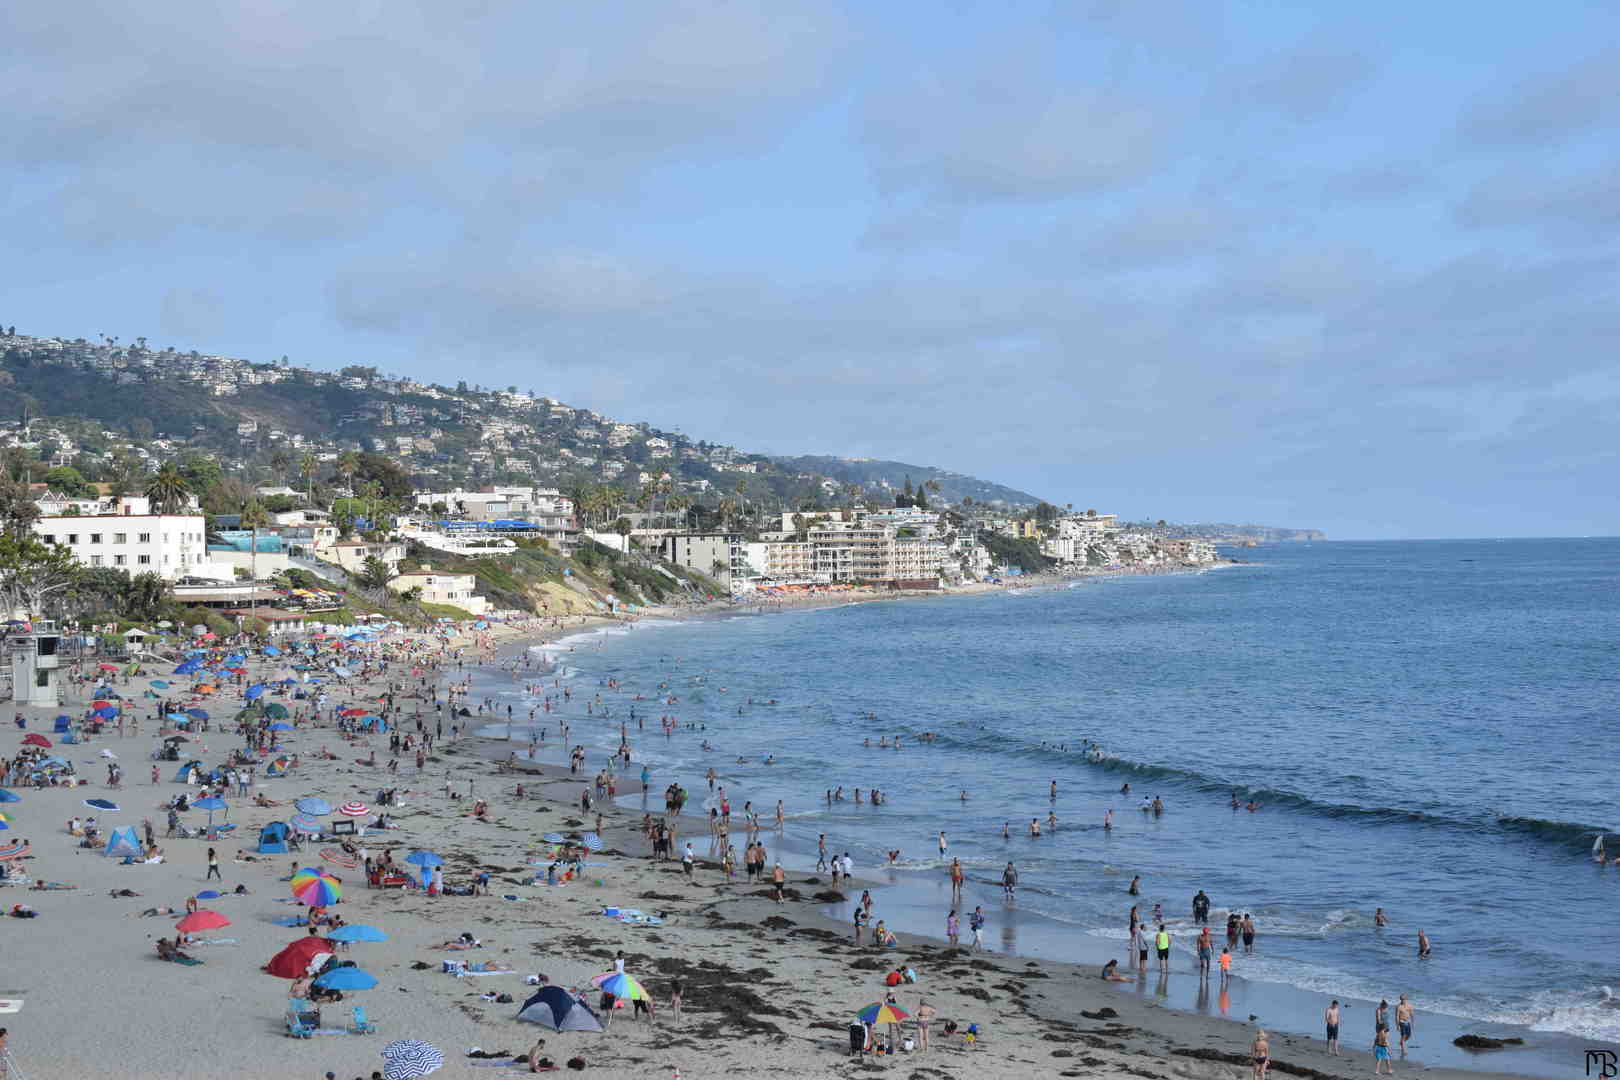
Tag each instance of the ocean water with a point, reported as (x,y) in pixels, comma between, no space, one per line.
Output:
(1429,728)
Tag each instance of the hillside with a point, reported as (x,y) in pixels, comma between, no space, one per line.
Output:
(891,476)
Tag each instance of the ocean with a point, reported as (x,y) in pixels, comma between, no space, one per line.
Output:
(1427,727)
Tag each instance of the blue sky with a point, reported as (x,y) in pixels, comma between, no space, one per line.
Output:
(1344,266)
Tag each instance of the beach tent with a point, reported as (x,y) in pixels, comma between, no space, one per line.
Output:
(123,843)
(63,724)
(184,775)
(273,839)
(559,1010)
(278,767)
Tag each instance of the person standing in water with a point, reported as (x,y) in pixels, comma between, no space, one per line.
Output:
(1423,945)
(1161,942)
(1331,1019)
(942,844)
(1009,883)
(956,880)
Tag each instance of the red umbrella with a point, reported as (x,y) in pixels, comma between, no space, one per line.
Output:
(100,703)
(202,919)
(297,958)
(34,738)
(106,667)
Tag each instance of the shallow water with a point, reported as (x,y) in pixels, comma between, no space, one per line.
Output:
(1428,727)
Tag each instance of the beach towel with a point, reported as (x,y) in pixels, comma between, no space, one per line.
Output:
(215,941)
(189,961)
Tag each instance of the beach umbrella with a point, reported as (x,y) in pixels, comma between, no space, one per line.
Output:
(408,1058)
(354,809)
(197,714)
(339,857)
(253,693)
(34,738)
(271,650)
(158,684)
(179,718)
(5,821)
(248,713)
(358,932)
(424,859)
(6,796)
(203,919)
(304,823)
(621,985)
(592,842)
(281,725)
(880,1012)
(101,804)
(346,978)
(559,1010)
(14,850)
(176,739)
(300,958)
(109,754)
(210,804)
(106,667)
(100,703)
(352,712)
(208,894)
(276,711)
(313,806)
(553,838)
(317,890)
(107,713)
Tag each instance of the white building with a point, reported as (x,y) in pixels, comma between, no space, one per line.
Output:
(438,587)
(173,546)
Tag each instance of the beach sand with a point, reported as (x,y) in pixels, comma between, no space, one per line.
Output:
(770,988)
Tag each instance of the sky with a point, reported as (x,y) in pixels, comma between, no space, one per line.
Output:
(1350,267)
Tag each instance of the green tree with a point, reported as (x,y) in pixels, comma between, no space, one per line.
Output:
(35,577)
(168,490)
(18,511)
(374,573)
(307,467)
(202,474)
(347,466)
(67,480)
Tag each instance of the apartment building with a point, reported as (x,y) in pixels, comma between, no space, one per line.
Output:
(173,546)
(438,587)
(722,556)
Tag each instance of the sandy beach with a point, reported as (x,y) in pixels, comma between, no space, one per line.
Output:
(769,988)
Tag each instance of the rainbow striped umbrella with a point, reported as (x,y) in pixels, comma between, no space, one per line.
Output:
(621,985)
(880,1012)
(317,889)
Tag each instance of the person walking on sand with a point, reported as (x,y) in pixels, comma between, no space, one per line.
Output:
(1260,1053)
(213,866)
(1381,1053)
(953,928)
(1331,1019)
(1404,1014)
(925,1016)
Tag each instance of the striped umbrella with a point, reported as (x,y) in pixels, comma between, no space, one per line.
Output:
(354,809)
(407,1058)
(313,806)
(14,850)
(304,824)
(553,838)
(592,842)
(317,889)
(880,1012)
(621,985)
(339,857)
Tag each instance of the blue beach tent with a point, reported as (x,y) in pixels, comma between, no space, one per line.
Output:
(273,839)
(123,843)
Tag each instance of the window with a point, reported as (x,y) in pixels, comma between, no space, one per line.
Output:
(95,538)
(73,538)
(145,538)
(120,560)
(143,560)
(120,538)
(95,560)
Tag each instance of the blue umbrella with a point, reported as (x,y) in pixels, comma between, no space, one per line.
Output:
(357,932)
(255,691)
(424,858)
(281,726)
(197,714)
(158,684)
(187,668)
(592,842)
(101,804)
(6,796)
(271,650)
(235,660)
(208,894)
(553,838)
(313,806)
(346,978)
(210,804)
(106,712)
(179,718)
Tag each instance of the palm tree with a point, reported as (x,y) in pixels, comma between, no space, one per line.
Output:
(168,490)
(727,508)
(306,467)
(347,466)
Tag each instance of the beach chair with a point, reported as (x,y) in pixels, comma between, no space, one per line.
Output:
(362,1026)
(302,1021)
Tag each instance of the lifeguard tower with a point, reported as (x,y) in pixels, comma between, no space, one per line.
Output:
(34,654)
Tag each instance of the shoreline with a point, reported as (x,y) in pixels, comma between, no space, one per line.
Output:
(1290,1012)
